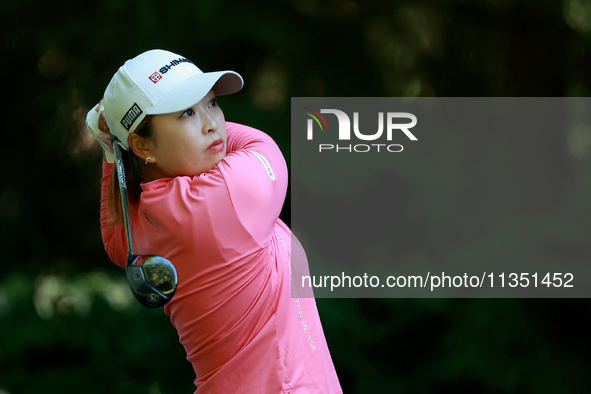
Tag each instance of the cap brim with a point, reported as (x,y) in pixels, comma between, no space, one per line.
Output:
(192,89)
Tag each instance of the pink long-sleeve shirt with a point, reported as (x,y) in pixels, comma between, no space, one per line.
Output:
(233,308)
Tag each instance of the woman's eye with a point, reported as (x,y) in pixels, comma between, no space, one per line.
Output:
(213,102)
(188,112)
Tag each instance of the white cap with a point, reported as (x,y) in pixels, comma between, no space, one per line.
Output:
(159,82)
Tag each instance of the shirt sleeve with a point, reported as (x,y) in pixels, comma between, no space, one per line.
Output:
(256,176)
(113,234)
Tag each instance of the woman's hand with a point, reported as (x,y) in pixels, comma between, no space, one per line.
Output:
(102,122)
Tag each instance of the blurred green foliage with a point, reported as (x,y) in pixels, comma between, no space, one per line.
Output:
(61,330)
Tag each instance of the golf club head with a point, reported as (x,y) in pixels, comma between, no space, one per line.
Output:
(153,279)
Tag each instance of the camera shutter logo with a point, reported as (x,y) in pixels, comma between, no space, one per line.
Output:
(310,124)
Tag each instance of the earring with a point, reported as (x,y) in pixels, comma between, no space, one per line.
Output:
(148,158)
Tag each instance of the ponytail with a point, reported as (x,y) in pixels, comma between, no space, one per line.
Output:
(134,175)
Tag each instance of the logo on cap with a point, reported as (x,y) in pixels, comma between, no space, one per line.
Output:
(131,116)
(164,69)
(155,77)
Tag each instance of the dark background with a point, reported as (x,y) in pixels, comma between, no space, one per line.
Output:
(67,321)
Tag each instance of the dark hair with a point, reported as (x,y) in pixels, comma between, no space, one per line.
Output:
(134,174)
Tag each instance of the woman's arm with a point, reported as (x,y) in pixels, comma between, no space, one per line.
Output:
(256,175)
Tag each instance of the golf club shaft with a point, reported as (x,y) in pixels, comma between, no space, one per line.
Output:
(122,190)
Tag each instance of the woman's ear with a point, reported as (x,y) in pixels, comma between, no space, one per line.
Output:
(139,145)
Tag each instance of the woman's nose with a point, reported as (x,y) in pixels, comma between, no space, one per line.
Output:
(210,125)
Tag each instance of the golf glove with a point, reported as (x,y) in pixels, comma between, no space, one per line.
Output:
(92,123)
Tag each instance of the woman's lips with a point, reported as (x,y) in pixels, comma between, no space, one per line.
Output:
(217,145)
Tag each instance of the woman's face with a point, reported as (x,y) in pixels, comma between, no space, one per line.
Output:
(189,142)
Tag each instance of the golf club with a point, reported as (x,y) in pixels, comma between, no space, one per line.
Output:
(153,279)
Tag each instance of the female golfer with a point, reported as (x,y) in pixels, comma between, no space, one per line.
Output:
(206,194)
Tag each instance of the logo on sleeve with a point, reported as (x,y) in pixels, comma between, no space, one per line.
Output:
(266,164)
